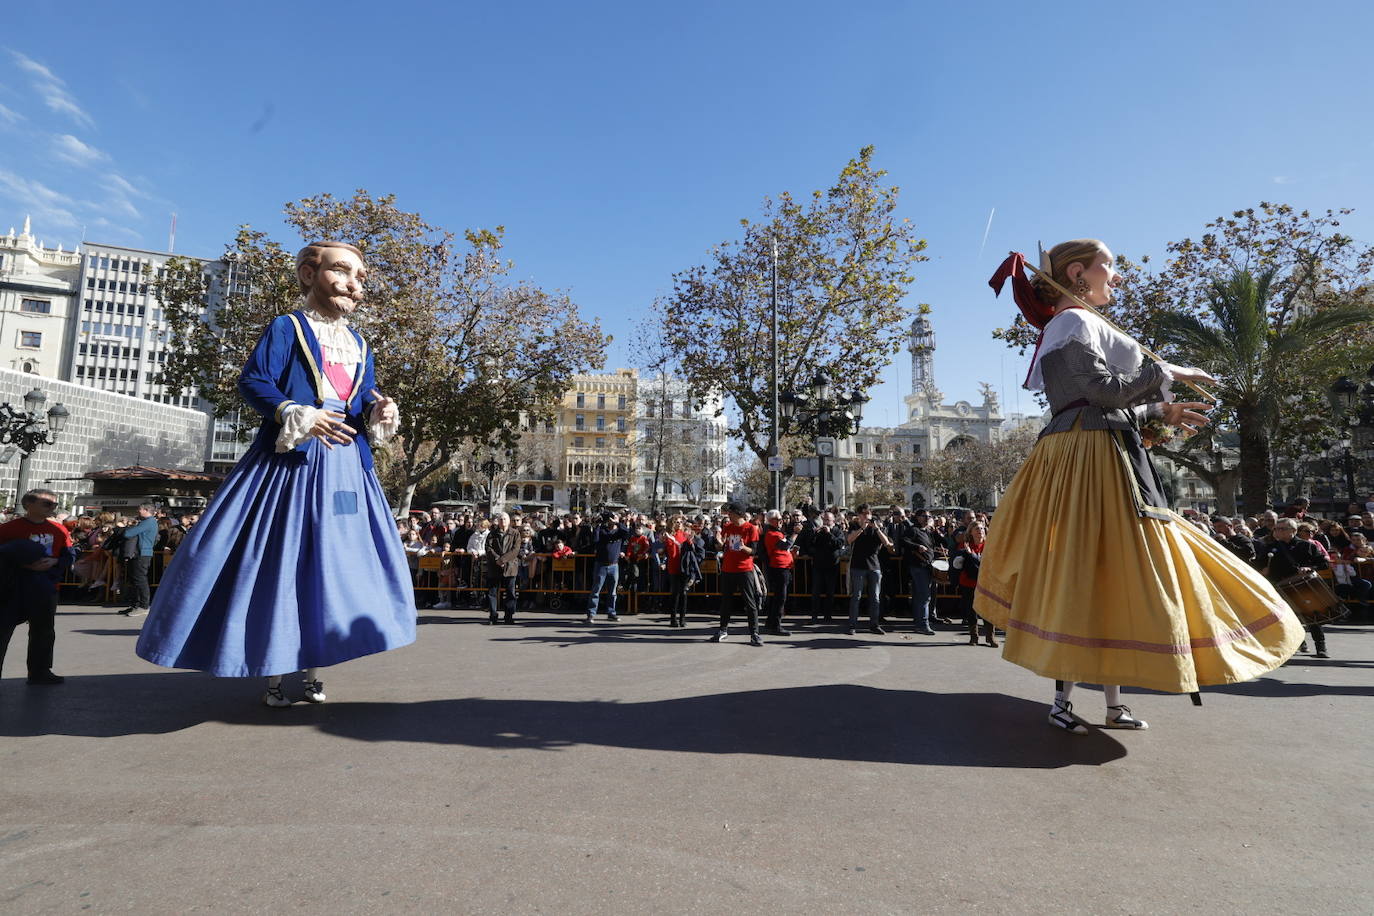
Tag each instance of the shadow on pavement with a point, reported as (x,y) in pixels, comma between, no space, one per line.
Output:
(834,722)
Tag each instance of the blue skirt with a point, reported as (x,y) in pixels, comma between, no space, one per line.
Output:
(295,564)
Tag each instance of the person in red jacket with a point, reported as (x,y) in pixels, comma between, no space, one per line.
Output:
(777,551)
(679,538)
(737,581)
(36,524)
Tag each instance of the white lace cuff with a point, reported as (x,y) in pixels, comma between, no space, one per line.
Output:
(1168,369)
(382,424)
(297,421)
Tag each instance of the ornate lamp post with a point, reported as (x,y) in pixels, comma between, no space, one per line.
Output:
(1354,408)
(823,413)
(27,430)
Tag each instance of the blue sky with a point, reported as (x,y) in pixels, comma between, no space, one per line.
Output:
(618,141)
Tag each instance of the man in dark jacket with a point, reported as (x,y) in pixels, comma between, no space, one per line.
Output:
(823,543)
(607,542)
(916,539)
(503,565)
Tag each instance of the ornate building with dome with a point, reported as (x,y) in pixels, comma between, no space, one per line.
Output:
(893,454)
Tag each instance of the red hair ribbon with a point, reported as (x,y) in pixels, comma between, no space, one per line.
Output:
(1035,310)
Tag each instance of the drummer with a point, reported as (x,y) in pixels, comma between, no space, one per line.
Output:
(917,540)
(1285,556)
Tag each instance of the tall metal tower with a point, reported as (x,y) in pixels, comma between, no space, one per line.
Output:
(922,345)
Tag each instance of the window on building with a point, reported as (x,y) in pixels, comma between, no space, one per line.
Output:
(579,422)
(581,399)
(600,441)
(877,448)
(916,449)
(686,409)
(31,339)
(620,424)
(600,402)
(651,410)
(577,442)
(829,473)
(546,494)
(620,402)
(41,306)
(858,448)
(600,423)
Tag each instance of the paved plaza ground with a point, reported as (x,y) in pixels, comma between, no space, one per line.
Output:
(550,767)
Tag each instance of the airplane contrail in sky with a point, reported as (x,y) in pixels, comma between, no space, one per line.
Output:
(986,230)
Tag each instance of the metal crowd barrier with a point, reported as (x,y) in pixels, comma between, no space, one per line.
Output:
(563,583)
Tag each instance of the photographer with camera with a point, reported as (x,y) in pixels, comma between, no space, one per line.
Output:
(607,541)
(866,540)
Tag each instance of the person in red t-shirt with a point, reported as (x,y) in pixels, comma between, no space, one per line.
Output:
(680,544)
(968,560)
(777,553)
(737,578)
(36,524)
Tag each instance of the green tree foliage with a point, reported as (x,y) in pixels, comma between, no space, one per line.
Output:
(979,470)
(462,346)
(1312,268)
(845,261)
(1250,358)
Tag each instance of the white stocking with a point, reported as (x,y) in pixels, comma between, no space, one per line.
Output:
(1062,689)
(1113,694)
(274,681)
(310,675)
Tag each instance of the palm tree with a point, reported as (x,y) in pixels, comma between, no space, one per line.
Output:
(1247,349)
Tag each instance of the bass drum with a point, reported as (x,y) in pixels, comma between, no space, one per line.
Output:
(1311,599)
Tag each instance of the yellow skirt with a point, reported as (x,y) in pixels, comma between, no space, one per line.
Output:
(1087,590)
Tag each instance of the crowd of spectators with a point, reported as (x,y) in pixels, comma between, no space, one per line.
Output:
(648,554)
(896,558)
(117,553)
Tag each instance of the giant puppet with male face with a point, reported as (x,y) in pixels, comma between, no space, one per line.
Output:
(296,564)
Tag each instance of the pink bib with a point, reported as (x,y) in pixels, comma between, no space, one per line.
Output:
(340,378)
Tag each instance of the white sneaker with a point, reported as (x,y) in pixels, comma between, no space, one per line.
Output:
(314,692)
(443,606)
(1061,716)
(1120,717)
(274,697)
(721,636)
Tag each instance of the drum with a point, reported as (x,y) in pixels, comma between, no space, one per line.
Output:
(940,570)
(1311,599)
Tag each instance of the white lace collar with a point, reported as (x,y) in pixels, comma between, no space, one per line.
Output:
(336,340)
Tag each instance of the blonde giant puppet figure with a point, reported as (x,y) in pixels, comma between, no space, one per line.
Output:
(1093,578)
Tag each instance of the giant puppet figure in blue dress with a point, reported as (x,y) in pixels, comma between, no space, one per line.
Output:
(296,563)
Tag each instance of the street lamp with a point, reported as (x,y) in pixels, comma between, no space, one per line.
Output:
(1354,408)
(822,412)
(26,430)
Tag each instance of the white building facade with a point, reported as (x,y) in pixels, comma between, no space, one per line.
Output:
(103,430)
(681,451)
(893,454)
(37,299)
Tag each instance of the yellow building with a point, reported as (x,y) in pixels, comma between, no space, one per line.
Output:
(582,457)
(597,426)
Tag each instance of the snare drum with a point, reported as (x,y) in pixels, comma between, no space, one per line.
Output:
(1311,599)
(939,570)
